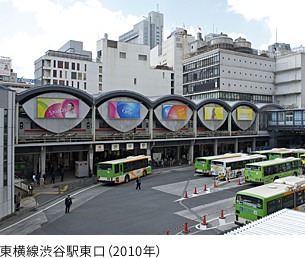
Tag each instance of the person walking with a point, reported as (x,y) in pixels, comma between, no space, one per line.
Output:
(41,181)
(34,179)
(30,187)
(138,182)
(68,203)
(52,177)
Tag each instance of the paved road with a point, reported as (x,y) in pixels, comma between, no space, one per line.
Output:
(121,210)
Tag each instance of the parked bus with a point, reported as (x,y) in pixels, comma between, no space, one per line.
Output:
(267,152)
(233,167)
(123,170)
(257,202)
(265,172)
(203,164)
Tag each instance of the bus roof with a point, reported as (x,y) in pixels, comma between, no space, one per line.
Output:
(299,150)
(282,151)
(268,151)
(273,161)
(222,156)
(116,161)
(241,158)
(279,186)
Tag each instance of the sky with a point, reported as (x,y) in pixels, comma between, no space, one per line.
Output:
(29,28)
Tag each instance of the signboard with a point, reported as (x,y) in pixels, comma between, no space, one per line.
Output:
(129,146)
(5,67)
(143,145)
(176,112)
(99,147)
(115,147)
(124,109)
(213,113)
(57,108)
(244,114)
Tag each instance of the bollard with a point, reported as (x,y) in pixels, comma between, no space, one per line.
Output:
(239,182)
(205,187)
(167,232)
(185,194)
(195,191)
(204,221)
(214,184)
(185,228)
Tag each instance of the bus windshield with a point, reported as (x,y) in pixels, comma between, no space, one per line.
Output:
(217,163)
(249,201)
(203,161)
(104,166)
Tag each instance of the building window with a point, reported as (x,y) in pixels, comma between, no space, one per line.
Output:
(100,78)
(54,63)
(123,55)
(85,85)
(100,69)
(61,82)
(85,68)
(78,85)
(78,67)
(67,83)
(66,65)
(135,81)
(60,64)
(85,76)
(60,74)
(55,73)
(55,82)
(100,87)
(73,66)
(142,57)
(73,75)
(80,76)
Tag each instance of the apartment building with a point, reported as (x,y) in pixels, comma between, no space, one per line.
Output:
(70,66)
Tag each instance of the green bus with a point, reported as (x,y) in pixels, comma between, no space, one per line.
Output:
(123,170)
(203,164)
(257,202)
(265,172)
(267,152)
(284,153)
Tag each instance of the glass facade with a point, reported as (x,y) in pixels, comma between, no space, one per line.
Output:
(233,96)
(201,75)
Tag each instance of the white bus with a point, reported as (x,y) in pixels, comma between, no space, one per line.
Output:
(233,167)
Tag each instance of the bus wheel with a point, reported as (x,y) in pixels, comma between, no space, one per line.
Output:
(126,179)
(295,174)
(275,178)
(144,173)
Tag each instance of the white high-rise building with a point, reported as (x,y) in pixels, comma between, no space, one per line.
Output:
(70,66)
(147,32)
(126,66)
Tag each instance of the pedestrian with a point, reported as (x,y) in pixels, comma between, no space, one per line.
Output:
(138,182)
(62,175)
(68,203)
(45,179)
(18,201)
(52,177)
(30,187)
(34,179)
(41,181)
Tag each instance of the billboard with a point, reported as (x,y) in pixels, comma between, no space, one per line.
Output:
(57,108)
(174,112)
(213,113)
(124,109)
(5,67)
(244,114)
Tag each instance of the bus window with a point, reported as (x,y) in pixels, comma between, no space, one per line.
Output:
(273,206)
(300,197)
(288,201)
(202,161)
(249,201)
(105,166)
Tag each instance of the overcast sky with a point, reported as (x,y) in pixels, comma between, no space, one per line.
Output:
(31,27)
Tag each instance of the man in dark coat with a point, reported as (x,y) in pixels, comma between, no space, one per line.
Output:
(68,203)
(138,181)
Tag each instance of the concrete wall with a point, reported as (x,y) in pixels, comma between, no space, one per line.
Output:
(243,124)
(55,125)
(173,125)
(120,124)
(213,125)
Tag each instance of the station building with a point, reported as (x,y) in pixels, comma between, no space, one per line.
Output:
(61,125)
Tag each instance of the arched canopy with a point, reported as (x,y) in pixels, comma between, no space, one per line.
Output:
(99,99)
(185,100)
(26,95)
(269,105)
(220,102)
(245,103)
